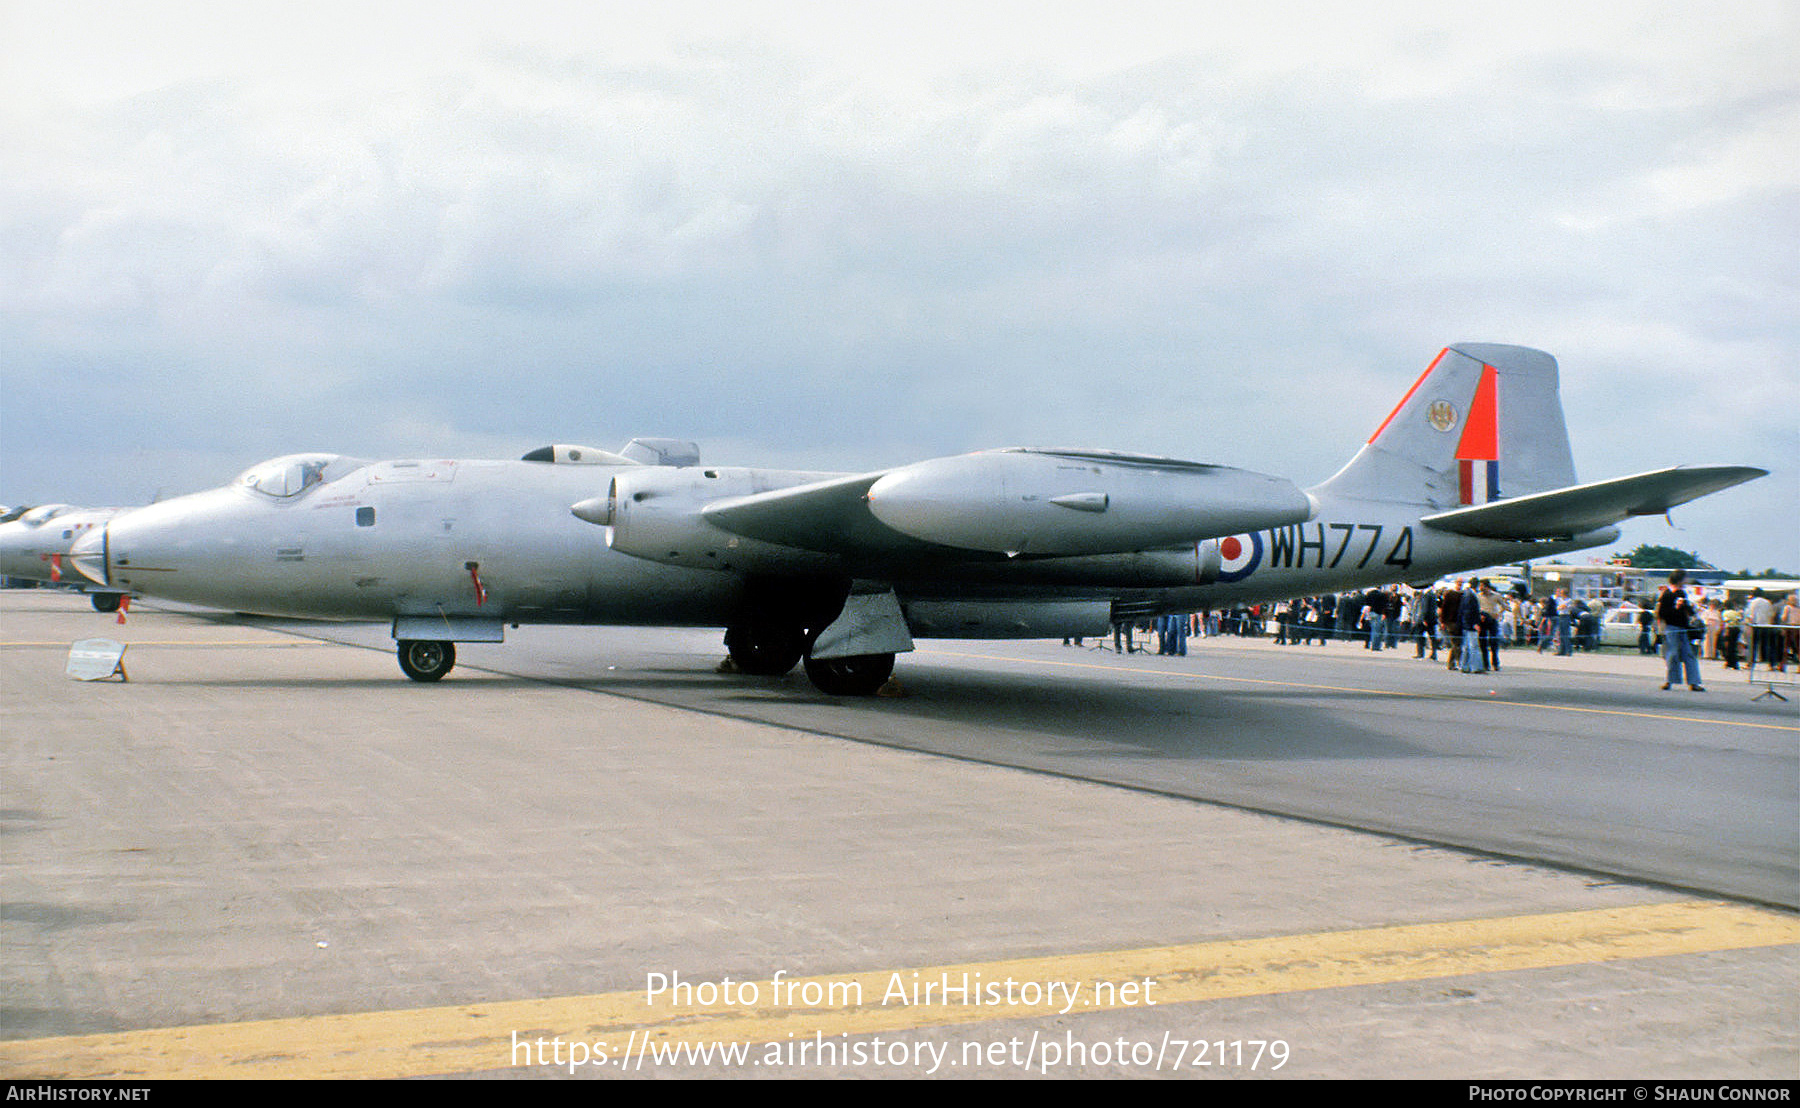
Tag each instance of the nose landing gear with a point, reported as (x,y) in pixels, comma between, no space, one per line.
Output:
(426,659)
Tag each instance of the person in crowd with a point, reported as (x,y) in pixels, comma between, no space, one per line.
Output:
(1306,618)
(1468,617)
(1646,621)
(1565,623)
(1715,624)
(1676,612)
(1584,628)
(1759,616)
(1374,618)
(1489,603)
(1450,623)
(1122,643)
(1790,634)
(1546,623)
(1731,637)
(1349,608)
(1427,623)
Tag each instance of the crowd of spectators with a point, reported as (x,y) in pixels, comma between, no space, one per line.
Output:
(1466,623)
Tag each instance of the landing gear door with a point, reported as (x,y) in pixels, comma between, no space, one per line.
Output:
(440,628)
(871,623)
(1206,569)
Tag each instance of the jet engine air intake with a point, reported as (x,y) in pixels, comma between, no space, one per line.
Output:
(654,513)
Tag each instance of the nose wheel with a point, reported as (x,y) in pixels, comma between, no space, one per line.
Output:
(426,659)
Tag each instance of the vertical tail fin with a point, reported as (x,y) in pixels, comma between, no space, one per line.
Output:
(1483,422)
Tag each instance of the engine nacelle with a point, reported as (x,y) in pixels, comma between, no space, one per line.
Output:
(654,513)
(1065,502)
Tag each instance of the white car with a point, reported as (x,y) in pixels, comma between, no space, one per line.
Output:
(1620,627)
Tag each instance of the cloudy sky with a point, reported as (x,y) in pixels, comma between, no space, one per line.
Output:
(847,235)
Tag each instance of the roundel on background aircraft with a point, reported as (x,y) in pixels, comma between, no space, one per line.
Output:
(1239,555)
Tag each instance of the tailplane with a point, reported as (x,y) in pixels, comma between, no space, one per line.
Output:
(1483,422)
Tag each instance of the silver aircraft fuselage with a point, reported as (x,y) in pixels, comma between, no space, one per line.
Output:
(398,538)
(496,540)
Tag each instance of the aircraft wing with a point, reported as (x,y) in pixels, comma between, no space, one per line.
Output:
(1014,502)
(1561,513)
(830,516)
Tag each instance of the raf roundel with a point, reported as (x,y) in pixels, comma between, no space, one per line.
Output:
(1239,556)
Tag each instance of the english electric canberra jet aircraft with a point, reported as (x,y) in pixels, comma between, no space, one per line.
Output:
(35,544)
(1472,468)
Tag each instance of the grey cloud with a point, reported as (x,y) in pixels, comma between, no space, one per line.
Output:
(745,247)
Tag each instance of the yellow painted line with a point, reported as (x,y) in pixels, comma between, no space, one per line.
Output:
(1354,689)
(624,1025)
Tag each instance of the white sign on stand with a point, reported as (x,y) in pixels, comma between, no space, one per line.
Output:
(97,659)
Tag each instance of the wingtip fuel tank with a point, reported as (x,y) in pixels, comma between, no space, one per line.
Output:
(1069,503)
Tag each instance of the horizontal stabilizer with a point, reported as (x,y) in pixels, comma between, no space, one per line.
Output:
(1562,513)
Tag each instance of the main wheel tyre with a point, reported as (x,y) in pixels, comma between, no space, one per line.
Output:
(104,601)
(764,650)
(426,659)
(858,675)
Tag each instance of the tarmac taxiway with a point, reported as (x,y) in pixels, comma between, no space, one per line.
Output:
(268,854)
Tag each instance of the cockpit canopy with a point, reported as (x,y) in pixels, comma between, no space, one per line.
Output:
(43,514)
(293,474)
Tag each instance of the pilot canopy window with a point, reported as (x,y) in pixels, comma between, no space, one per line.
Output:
(296,473)
(40,516)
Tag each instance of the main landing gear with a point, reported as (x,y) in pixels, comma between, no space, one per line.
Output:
(426,659)
(764,648)
(771,649)
(858,675)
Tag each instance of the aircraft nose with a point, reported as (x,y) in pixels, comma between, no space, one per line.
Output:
(89,555)
(16,554)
